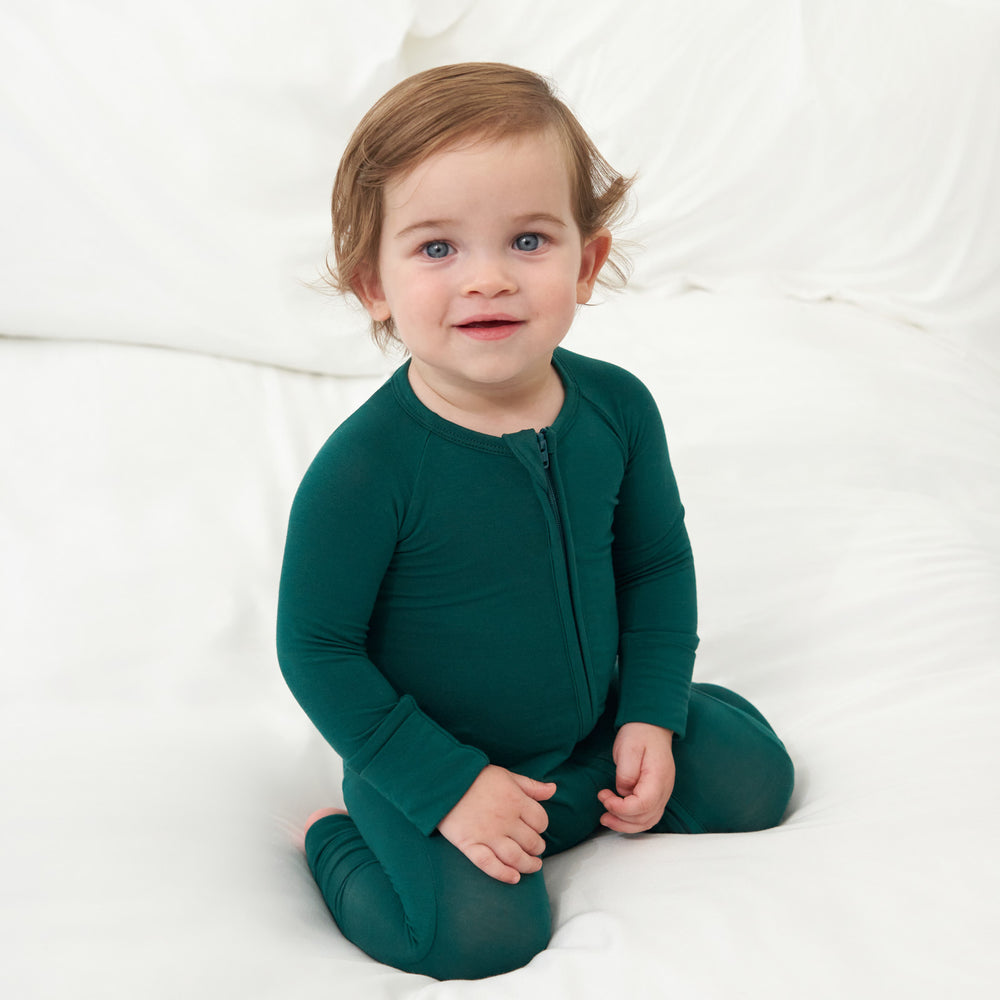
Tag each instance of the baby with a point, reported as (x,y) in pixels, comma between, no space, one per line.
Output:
(487,601)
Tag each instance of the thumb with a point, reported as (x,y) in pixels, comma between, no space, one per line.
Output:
(538,790)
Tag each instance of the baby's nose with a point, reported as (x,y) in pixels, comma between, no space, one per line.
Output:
(489,275)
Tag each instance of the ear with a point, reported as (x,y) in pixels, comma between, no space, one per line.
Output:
(368,287)
(595,252)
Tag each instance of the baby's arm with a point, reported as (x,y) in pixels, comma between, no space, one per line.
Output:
(657,613)
(498,823)
(654,573)
(342,533)
(644,778)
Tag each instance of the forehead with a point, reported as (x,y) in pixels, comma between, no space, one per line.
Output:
(529,171)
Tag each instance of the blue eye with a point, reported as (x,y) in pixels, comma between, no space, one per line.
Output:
(436,249)
(528,242)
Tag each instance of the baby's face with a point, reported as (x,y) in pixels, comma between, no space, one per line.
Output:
(481,262)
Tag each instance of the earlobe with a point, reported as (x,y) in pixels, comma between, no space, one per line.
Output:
(368,288)
(595,254)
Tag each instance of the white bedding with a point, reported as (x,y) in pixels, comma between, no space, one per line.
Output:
(831,390)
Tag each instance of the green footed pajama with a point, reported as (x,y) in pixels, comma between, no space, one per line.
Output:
(451,599)
(417,903)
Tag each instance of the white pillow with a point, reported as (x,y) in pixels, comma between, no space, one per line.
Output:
(167,168)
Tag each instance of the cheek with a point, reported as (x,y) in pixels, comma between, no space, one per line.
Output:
(416,295)
(560,291)
(426,294)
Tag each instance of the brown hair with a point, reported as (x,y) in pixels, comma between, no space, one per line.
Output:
(434,110)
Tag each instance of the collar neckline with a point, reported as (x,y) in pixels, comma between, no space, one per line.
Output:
(477,439)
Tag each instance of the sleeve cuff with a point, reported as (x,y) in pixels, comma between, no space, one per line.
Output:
(655,684)
(418,766)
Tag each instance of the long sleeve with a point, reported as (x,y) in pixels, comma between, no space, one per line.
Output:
(654,573)
(342,532)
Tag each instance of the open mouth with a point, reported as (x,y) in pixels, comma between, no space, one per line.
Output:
(490,329)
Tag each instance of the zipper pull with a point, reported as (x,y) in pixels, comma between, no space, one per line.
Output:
(543,447)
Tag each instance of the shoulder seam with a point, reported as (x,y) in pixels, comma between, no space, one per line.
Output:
(418,470)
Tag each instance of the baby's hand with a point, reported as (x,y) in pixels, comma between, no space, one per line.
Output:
(644,761)
(498,823)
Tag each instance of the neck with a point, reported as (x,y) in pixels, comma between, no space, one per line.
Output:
(495,409)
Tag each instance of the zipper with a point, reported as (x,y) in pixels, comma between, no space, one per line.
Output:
(538,459)
(583,693)
(543,447)
(543,450)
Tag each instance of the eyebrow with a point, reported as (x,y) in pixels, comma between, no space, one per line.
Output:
(521,220)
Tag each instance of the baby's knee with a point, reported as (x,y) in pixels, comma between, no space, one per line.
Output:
(476,955)
(487,933)
(739,775)
(768,791)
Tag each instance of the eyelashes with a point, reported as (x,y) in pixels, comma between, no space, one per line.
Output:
(523,242)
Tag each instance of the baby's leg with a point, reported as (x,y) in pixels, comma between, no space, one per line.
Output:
(416,902)
(733,773)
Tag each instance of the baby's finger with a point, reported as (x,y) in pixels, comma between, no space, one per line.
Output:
(513,855)
(628,808)
(535,816)
(529,840)
(619,825)
(538,790)
(487,861)
(650,784)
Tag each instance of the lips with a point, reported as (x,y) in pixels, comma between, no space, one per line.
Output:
(489,327)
